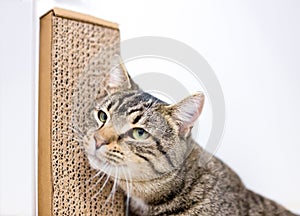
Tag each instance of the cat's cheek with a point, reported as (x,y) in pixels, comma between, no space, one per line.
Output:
(138,169)
(89,143)
(95,163)
(101,152)
(87,148)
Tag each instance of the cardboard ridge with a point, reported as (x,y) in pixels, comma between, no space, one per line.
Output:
(59,12)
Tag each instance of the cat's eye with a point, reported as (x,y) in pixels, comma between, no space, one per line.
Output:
(139,134)
(102,116)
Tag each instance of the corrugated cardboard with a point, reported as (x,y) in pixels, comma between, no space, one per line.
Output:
(64,175)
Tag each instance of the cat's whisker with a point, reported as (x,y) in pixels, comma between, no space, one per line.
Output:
(127,192)
(108,176)
(113,190)
(118,180)
(99,180)
(115,186)
(73,126)
(97,174)
(93,177)
(77,131)
(130,181)
(78,136)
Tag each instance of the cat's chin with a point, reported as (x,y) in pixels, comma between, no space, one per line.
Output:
(95,162)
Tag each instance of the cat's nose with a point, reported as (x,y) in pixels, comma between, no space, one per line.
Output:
(100,142)
(106,136)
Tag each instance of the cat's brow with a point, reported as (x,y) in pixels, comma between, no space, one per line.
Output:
(137,99)
(109,106)
(140,107)
(113,103)
(135,109)
(136,119)
(124,99)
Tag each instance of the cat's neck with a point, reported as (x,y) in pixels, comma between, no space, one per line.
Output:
(160,189)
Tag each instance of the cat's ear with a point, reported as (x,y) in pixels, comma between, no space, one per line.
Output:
(118,78)
(186,112)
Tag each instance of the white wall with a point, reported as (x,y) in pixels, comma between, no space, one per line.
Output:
(17,152)
(253,47)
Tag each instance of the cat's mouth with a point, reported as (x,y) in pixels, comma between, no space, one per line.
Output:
(107,166)
(114,168)
(101,157)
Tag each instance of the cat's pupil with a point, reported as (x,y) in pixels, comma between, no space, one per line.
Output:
(140,132)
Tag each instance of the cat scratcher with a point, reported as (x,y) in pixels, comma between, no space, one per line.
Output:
(72,45)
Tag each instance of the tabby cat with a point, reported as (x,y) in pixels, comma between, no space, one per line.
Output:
(145,146)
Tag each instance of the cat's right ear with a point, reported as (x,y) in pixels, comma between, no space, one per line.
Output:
(118,78)
(186,112)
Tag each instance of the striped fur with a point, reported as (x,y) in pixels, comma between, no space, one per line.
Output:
(165,171)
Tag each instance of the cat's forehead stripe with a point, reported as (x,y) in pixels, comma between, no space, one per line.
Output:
(114,101)
(138,111)
(137,119)
(109,106)
(136,105)
(124,99)
(139,108)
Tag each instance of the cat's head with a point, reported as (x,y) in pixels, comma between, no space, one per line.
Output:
(138,134)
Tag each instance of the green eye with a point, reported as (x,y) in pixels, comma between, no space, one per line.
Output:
(102,116)
(139,134)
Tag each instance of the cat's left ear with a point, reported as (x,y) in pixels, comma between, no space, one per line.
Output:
(187,111)
(118,78)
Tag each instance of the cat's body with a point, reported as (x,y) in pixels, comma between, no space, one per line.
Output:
(200,189)
(145,145)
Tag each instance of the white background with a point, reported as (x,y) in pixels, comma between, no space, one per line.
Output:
(252,45)
(17,153)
